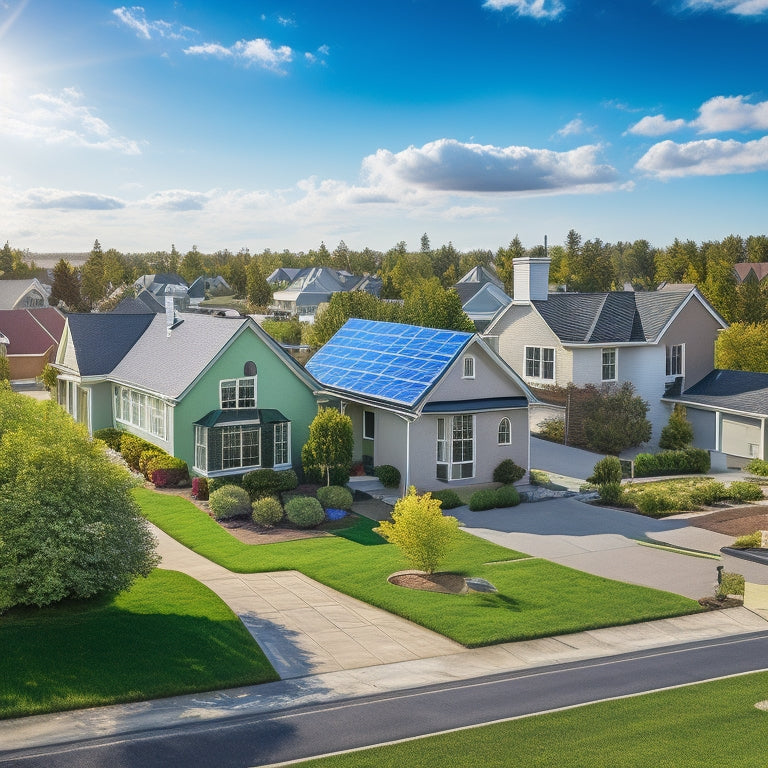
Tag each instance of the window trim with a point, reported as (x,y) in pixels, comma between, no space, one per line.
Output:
(614,364)
(286,440)
(449,468)
(671,369)
(242,381)
(538,362)
(151,413)
(468,367)
(230,430)
(507,440)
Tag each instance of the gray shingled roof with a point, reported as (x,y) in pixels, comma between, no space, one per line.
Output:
(742,391)
(101,341)
(609,318)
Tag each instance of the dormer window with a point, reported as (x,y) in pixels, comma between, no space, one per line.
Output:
(238,393)
(469,367)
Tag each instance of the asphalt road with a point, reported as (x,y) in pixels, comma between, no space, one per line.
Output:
(270,738)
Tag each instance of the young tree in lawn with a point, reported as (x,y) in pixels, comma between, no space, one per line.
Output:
(330,443)
(420,530)
(69,527)
(677,433)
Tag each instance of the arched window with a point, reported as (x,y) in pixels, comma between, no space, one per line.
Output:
(249,369)
(505,432)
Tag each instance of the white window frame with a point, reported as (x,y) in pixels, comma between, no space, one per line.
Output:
(537,361)
(239,446)
(505,432)
(140,410)
(282,442)
(241,387)
(468,368)
(201,448)
(453,460)
(611,364)
(675,360)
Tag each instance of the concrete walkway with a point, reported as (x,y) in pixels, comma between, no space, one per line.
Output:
(304,627)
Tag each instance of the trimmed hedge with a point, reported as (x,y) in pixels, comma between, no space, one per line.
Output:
(610,493)
(758,467)
(200,488)
(304,511)
(335,497)
(448,499)
(689,461)
(481,500)
(110,436)
(607,470)
(131,448)
(507,496)
(267,511)
(147,457)
(229,501)
(261,483)
(388,475)
(507,472)
(166,471)
(742,490)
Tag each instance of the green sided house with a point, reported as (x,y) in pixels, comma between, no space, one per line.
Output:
(218,393)
(441,406)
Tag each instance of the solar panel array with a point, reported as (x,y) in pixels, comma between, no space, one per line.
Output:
(388,361)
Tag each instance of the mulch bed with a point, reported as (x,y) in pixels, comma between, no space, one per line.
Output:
(449,583)
(735,521)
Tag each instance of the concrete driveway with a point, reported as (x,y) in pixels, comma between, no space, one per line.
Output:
(603,542)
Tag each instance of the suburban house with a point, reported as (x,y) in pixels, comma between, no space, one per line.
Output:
(29,338)
(315,286)
(440,406)
(660,341)
(23,294)
(728,411)
(218,393)
(749,270)
(284,275)
(482,296)
(143,303)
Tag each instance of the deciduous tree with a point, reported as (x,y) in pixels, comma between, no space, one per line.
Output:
(330,443)
(743,347)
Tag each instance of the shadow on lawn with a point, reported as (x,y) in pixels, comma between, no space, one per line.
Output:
(498,601)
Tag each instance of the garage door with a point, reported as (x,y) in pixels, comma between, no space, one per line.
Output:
(741,436)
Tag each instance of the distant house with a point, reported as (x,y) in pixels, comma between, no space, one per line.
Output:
(729,413)
(218,286)
(439,405)
(144,302)
(30,338)
(196,292)
(660,341)
(748,270)
(283,275)
(218,393)
(23,294)
(315,286)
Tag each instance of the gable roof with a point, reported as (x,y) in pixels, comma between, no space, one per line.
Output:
(740,391)
(197,289)
(284,275)
(390,362)
(157,282)
(758,270)
(101,341)
(615,317)
(31,331)
(12,291)
(480,275)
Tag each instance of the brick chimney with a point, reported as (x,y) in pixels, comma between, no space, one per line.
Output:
(531,279)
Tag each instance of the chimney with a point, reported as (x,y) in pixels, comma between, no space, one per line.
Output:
(531,281)
(170,314)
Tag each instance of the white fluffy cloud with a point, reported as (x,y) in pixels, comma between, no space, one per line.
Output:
(135,18)
(447,165)
(656,125)
(537,9)
(708,157)
(176,200)
(259,51)
(66,200)
(737,7)
(58,118)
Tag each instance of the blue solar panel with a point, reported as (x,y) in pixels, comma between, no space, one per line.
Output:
(389,361)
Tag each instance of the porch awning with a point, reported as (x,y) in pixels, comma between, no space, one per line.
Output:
(229,417)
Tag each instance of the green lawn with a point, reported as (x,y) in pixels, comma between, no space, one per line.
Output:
(167,635)
(536,598)
(711,724)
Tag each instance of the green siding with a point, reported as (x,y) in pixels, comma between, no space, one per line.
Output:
(276,387)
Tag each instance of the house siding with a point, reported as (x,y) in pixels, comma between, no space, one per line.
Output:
(704,425)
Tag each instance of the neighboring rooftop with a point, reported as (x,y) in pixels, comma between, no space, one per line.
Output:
(742,391)
(31,331)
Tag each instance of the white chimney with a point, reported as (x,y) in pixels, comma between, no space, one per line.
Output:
(531,279)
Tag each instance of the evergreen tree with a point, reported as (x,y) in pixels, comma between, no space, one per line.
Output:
(258,289)
(505,263)
(66,287)
(6,261)
(678,431)
(93,282)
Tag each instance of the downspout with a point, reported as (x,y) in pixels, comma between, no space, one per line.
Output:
(407,456)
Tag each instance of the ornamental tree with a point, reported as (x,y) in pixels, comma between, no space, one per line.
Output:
(420,530)
(330,443)
(69,526)
(678,431)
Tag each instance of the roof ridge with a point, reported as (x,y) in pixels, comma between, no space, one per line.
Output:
(595,320)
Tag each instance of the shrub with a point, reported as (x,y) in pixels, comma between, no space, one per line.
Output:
(287,480)
(131,448)
(261,483)
(335,496)
(758,467)
(607,470)
(168,471)
(267,511)
(480,500)
(448,499)
(685,462)
(110,436)
(507,472)
(708,493)
(749,541)
(229,501)
(552,429)
(507,496)
(740,490)
(214,483)
(420,530)
(654,503)
(678,431)
(146,457)
(614,418)
(730,584)
(388,475)
(200,488)
(304,511)
(611,493)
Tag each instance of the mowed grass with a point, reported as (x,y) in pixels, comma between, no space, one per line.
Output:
(711,724)
(167,635)
(535,598)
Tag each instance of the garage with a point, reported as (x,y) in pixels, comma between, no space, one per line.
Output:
(741,436)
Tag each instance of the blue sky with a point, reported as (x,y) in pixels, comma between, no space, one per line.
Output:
(284,124)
